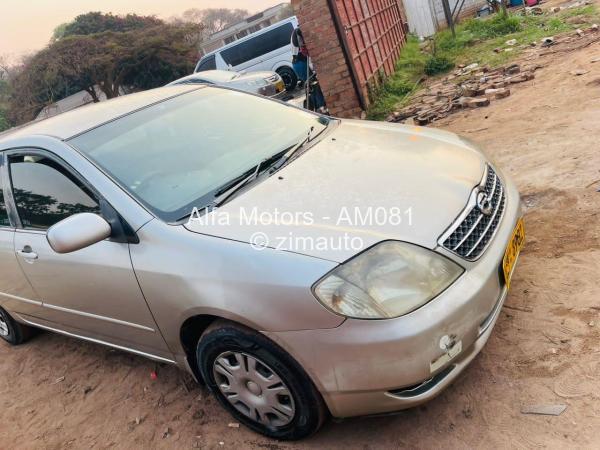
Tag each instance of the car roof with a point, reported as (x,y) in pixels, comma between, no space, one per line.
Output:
(79,120)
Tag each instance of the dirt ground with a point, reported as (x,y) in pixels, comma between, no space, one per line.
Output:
(545,348)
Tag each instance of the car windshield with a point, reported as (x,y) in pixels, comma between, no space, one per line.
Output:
(174,155)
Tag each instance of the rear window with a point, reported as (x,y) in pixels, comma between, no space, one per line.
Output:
(260,45)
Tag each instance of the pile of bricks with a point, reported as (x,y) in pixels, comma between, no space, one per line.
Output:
(479,86)
(474,86)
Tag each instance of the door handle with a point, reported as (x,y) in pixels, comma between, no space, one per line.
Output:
(27,254)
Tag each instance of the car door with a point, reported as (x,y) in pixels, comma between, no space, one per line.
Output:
(91,292)
(16,294)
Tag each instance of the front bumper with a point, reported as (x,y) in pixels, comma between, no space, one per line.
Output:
(378,366)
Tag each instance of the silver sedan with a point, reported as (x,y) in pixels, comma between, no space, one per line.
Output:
(268,84)
(301,266)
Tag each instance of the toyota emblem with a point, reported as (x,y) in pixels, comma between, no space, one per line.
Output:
(484,203)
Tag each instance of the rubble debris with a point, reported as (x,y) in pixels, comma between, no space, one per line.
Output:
(59,380)
(594,27)
(479,102)
(476,91)
(544,410)
(467,70)
(513,69)
(497,94)
(533,11)
(579,32)
(548,41)
(511,42)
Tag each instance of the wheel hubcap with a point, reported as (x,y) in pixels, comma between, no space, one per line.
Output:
(3,327)
(287,80)
(254,389)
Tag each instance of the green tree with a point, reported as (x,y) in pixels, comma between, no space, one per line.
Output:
(4,95)
(4,124)
(97,22)
(133,60)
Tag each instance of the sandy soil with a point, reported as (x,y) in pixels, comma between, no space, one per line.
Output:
(545,348)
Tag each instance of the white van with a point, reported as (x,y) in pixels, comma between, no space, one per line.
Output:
(268,49)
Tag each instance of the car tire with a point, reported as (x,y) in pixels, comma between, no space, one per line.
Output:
(259,383)
(289,77)
(11,331)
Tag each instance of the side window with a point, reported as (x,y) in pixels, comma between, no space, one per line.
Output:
(208,64)
(260,45)
(4,222)
(45,193)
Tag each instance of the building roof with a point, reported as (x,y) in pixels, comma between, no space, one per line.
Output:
(77,121)
(242,24)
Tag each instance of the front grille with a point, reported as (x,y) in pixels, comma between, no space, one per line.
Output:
(472,234)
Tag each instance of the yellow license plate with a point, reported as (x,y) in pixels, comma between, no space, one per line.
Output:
(512,251)
(280,86)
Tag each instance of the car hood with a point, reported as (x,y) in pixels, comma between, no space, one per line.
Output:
(254,76)
(250,82)
(363,183)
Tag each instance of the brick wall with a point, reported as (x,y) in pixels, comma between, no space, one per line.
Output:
(353,46)
(327,55)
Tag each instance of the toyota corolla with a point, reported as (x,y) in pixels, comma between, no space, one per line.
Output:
(301,267)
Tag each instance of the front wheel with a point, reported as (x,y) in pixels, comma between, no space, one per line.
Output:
(259,383)
(289,77)
(11,331)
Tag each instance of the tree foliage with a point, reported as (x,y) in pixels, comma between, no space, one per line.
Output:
(97,22)
(5,72)
(138,59)
(213,20)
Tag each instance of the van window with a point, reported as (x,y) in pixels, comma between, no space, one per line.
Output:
(207,64)
(260,45)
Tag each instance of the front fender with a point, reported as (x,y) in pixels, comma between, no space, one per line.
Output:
(183,274)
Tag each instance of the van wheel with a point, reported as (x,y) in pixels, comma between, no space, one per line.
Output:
(289,77)
(259,383)
(13,332)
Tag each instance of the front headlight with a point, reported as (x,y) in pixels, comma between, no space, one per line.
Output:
(268,90)
(389,280)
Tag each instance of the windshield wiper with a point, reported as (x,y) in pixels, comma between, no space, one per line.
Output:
(292,151)
(273,163)
(235,185)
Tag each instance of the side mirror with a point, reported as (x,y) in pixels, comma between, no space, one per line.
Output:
(77,232)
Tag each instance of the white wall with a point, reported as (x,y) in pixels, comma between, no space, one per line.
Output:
(470,5)
(419,16)
(425,17)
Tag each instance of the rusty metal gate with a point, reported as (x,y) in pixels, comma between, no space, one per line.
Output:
(373,34)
